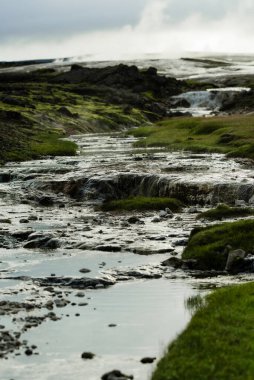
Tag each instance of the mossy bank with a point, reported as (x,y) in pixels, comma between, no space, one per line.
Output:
(39,107)
(218,342)
(232,135)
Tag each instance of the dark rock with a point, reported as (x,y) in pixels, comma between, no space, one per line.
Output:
(235,259)
(84,270)
(173,262)
(23,221)
(28,352)
(191,264)
(147,360)
(147,251)
(61,303)
(21,235)
(45,200)
(87,355)
(74,283)
(42,242)
(133,220)
(116,375)
(108,248)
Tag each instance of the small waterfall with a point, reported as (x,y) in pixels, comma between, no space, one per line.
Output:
(204,103)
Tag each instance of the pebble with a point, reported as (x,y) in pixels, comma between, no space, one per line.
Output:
(87,355)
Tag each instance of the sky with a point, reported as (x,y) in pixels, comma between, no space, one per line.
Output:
(112,29)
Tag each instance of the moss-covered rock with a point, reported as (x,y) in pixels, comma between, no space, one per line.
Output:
(210,246)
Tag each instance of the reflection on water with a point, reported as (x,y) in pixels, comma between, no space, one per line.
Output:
(147,315)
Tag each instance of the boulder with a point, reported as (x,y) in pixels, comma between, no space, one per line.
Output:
(173,262)
(235,260)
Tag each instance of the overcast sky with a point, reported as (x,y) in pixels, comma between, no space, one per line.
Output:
(112,29)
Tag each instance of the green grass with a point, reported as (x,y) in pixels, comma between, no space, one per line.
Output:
(207,245)
(223,212)
(233,135)
(142,204)
(218,344)
(50,144)
(45,112)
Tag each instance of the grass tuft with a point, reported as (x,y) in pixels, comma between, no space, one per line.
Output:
(143,204)
(223,211)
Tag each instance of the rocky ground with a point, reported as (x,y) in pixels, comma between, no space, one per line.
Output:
(57,247)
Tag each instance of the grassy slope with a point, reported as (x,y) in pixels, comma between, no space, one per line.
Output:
(207,245)
(218,344)
(233,135)
(45,111)
(143,203)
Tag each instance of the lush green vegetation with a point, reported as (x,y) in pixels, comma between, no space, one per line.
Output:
(142,204)
(223,211)
(35,112)
(208,245)
(218,344)
(233,135)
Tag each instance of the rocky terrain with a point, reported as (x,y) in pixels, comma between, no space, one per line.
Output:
(81,286)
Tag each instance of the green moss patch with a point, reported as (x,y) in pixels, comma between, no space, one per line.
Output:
(223,211)
(219,341)
(143,204)
(208,245)
(233,135)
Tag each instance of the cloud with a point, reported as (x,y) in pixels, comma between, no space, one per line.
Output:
(159,32)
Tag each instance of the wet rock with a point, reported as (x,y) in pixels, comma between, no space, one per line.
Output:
(28,352)
(173,262)
(5,221)
(190,264)
(147,360)
(61,303)
(180,242)
(108,248)
(140,273)
(52,244)
(84,270)
(87,355)
(23,221)
(147,251)
(45,200)
(235,260)
(133,220)
(42,242)
(74,283)
(116,375)
(8,343)
(33,217)
(201,274)
(156,219)
(21,235)
(166,214)
(80,294)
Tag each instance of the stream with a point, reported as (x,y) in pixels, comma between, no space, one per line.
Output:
(95,279)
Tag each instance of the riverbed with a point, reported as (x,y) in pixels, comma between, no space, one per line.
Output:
(135,306)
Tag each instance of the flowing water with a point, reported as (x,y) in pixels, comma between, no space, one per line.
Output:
(55,201)
(144,301)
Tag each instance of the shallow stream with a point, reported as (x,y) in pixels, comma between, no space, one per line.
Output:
(145,302)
